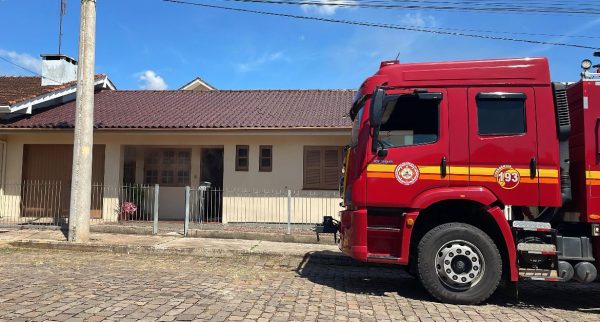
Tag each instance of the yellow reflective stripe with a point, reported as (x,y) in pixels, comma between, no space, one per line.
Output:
(592,175)
(548,173)
(392,168)
(430,169)
(473,171)
(479,171)
(381,167)
(459,170)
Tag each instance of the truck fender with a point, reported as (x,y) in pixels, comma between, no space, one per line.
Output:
(477,194)
(511,253)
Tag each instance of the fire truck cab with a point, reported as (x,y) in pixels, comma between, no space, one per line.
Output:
(471,171)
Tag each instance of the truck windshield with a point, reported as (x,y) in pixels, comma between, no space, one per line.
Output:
(408,120)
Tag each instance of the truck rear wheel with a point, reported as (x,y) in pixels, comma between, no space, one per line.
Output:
(459,263)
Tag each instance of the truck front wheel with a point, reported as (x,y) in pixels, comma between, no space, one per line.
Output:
(459,263)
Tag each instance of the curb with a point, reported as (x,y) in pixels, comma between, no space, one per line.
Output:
(222,234)
(325,258)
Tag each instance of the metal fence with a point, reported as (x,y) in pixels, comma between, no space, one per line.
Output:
(46,203)
(138,203)
(253,208)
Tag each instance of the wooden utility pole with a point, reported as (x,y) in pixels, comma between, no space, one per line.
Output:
(81,188)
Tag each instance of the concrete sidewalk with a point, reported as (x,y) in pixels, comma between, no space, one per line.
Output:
(164,244)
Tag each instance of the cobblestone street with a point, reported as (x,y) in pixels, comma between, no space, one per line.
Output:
(59,285)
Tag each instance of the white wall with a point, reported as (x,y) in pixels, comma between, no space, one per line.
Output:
(287,171)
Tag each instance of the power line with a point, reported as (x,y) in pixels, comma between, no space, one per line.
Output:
(502,4)
(27,69)
(456,6)
(435,28)
(510,32)
(382,25)
(522,3)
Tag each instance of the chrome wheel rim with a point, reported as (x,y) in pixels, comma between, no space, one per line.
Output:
(459,265)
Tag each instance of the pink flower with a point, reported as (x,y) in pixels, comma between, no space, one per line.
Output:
(128,208)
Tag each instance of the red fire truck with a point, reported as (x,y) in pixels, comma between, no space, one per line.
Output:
(470,172)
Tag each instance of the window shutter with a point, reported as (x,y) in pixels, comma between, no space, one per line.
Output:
(331,169)
(312,167)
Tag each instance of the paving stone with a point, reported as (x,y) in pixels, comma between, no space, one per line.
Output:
(44,285)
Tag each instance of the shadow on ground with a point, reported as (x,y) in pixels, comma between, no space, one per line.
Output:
(347,275)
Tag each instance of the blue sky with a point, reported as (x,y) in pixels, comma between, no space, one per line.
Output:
(150,44)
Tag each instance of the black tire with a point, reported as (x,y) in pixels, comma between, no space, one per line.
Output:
(437,283)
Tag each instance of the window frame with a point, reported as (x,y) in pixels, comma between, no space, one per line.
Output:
(262,168)
(322,149)
(238,157)
(438,120)
(161,169)
(501,96)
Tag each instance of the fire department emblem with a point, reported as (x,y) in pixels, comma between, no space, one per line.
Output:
(407,173)
(507,176)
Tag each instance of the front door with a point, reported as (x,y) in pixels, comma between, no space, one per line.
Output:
(211,171)
(414,132)
(503,143)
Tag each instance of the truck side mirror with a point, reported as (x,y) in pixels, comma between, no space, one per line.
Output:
(375,115)
(376,108)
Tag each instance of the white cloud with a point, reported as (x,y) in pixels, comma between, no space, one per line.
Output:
(149,80)
(256,63)
(418,20)
(23,59)
(328,8)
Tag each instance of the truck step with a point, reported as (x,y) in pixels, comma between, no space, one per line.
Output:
(538,274)
(533,248)
(383,257)
(532,226)
(384,228)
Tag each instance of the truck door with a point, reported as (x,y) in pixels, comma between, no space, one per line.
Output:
(414,132)
(503,143)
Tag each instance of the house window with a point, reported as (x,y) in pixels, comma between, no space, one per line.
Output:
(501,113)
(241,157)
(322,167)
(129,166)
(129,172)
(169,167)
(265,162)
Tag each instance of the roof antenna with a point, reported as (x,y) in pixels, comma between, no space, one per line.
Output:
(63,11)
(397,56)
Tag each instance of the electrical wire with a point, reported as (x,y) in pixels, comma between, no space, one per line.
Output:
(439,6)
(26,69)
(381,25)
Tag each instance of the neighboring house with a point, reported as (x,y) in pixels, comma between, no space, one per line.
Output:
(23,94)
(197,84)
(256,139)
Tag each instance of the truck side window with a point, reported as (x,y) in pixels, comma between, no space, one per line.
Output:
(409,121)
(501,114)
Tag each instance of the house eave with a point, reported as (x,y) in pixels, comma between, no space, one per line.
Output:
(27,106)
(182,131)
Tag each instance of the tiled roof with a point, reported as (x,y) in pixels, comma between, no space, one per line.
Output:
(204,109)
(15,89)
